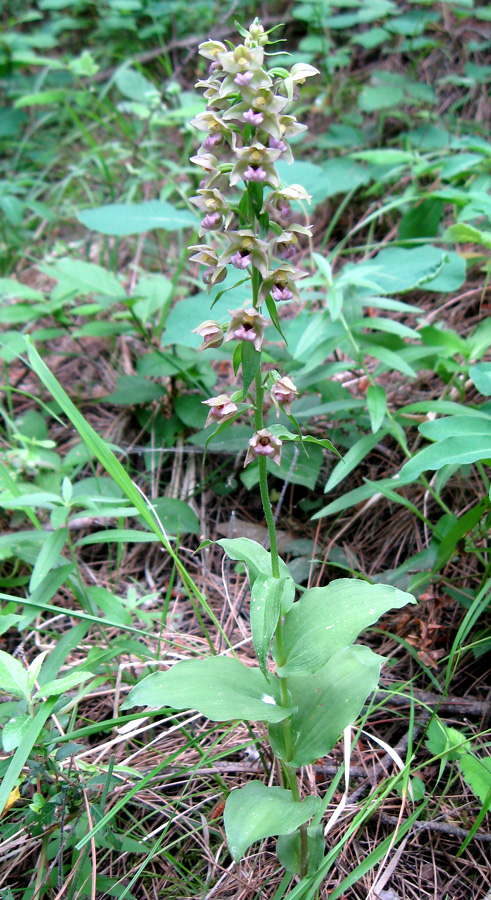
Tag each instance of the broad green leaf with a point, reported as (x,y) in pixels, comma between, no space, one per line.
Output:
(453,450)
(13,676)
(8,620)
(49,557)
(480,375)
(11,288)
(220,688)
(327,702)
(390,326)
(327,619)
(455,426)
(136,218)
(353,457)
(60,685)
(266,594)
(377,405)
(86,278)
(256,811)
(398,269)
(258,562)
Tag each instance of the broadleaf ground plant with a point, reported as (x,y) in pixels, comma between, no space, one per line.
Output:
(311,680)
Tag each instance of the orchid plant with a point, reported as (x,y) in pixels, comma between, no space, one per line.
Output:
(311,680)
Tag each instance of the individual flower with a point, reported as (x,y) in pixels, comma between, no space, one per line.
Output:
(262,102)
(263,443)
(283,394)
(218,130)
(281,284)
(211,332)
(246,249)
(297,75)
(241,59)
(255,163)
(221,409)
(211,49)
(215,272)
(287,242)
(247,325)
(215,207)
(279,201)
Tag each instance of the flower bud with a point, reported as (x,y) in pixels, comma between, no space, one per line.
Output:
(221,409)
(263,443)
(211,332)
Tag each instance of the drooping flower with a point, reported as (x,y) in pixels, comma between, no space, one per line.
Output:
(279,201)
(283,393)
(215,272)
(263,443)
(211,332)
(287,242)
(221,409)
(247,325)
(213,204)
(281,284)
(246,249)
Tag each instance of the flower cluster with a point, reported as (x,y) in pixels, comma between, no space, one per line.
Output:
(248,131)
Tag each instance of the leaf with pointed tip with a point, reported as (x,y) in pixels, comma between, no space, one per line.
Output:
(327,619)
(256,811)
(327,702)
(221,688)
